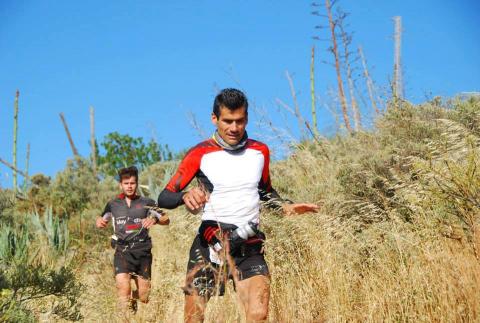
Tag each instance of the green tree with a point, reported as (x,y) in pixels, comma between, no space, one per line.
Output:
(124,150)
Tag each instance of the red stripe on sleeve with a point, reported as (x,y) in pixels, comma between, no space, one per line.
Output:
(190,165)
(257,145)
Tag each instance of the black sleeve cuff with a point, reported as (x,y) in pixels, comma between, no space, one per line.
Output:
(170,200)
(272,200)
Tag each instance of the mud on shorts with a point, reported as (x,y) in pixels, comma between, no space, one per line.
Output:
(208,277)
(133,258)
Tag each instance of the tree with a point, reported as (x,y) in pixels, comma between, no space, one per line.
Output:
(124,150)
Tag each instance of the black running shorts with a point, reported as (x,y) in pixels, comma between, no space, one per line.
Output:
(208,278)
(136,260)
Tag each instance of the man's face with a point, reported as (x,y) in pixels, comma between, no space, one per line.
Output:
(231,124)
(128,185)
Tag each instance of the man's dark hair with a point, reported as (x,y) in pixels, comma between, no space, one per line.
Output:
(127,173)
(231,99)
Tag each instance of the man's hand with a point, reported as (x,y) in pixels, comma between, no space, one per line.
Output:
(164,220)
(299,208)
(195,199)
(149,222)
(101,223)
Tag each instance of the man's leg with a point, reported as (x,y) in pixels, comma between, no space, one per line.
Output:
(142,277)
(123,290)
(194,309)
(254,294)
(143,289)
(198,278)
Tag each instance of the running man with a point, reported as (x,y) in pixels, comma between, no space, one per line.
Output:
(131,218)
(233,172)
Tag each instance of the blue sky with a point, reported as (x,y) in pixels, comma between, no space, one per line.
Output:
(144,65)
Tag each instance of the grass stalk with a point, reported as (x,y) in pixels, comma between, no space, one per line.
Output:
(312,92)
(92,140)
(295,102)
(368,80)
(15,134)
(27,163)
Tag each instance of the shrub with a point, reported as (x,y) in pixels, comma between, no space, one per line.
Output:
(33,267)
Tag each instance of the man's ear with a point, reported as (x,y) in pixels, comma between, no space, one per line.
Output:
(214,119)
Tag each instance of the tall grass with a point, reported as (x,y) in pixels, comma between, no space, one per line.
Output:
(396,239)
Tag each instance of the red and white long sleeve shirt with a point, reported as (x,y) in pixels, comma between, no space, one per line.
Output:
(236,180)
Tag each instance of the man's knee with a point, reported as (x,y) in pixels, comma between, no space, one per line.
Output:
(257,313)
(144,296)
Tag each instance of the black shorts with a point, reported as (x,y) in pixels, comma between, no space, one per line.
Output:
(208,278)
(135,260)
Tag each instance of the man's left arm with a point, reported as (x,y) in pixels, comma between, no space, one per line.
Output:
(155,215)
(273,200)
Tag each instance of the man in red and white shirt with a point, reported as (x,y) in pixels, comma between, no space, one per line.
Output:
(233,173)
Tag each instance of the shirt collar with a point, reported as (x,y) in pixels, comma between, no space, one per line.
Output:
(123,196)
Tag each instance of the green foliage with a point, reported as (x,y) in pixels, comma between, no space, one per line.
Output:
(73,188)
(52,228)
(24,283)
(75,193)
(37,196)
(69,193)
(467,113)
(7,203)
(13,246)
(7,199)
(154,178)
(124,150)
(33,267)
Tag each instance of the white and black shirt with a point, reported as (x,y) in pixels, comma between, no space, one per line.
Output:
(236,180)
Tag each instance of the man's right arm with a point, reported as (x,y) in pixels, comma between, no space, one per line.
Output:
(173,196)
(170,199)
(101,221)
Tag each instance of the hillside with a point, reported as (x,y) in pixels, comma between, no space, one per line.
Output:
(397,237)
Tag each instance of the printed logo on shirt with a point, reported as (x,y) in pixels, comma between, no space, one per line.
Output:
(131,228)
(121,221)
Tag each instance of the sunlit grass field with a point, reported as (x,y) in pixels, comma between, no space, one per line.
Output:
(396,239)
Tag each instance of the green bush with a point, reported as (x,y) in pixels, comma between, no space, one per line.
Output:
(33,266)
(73,188)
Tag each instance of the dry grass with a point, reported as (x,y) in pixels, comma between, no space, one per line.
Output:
(391,243)
(386,276)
